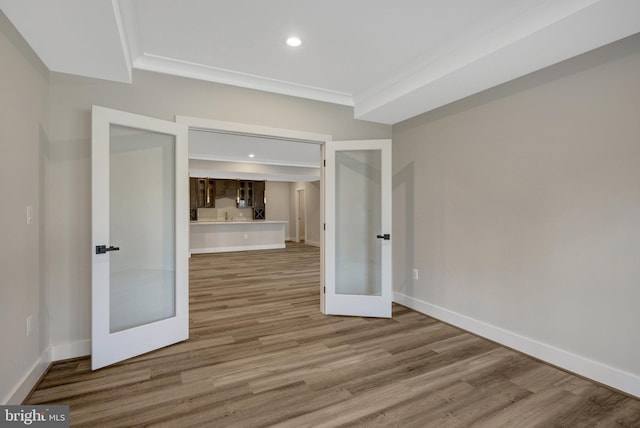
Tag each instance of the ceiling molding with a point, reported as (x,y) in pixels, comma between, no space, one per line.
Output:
(128,20)
(191,70)
(127,17)
(124,40)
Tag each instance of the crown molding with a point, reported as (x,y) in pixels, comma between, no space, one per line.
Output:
(191,70)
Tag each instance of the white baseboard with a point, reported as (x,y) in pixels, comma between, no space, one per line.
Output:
(312,243)
(29,380)
(611,376)
(79,348)
(65,351)
(237,248)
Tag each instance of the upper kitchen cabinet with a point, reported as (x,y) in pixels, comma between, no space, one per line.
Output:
(193,193)
(202,192)
(259,194)
(226,188)
(245,194)
(210,192)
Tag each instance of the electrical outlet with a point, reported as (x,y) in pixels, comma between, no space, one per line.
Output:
(415,274)
(29,214)
(29,318)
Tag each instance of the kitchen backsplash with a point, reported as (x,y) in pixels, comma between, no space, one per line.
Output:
(222,214)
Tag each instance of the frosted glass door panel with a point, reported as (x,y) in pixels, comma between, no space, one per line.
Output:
(142,287)
(139,232)
(357,262)
(358,221)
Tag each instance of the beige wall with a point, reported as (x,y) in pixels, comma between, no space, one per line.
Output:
(24,127)
(158,96)
(520,207)
(312,202)
(312,199)
(277,207)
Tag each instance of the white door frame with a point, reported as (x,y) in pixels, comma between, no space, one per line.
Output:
(283,133)
(298,214)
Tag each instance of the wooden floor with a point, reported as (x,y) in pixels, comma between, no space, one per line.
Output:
(261,354)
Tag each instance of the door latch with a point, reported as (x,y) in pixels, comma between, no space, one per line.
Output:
(386,236)
(102,249)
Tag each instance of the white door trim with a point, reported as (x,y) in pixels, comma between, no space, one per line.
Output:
(253,130)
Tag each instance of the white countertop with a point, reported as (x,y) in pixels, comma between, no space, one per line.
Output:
(228,222)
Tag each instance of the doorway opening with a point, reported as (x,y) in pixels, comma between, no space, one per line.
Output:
(274,136)
(301,215)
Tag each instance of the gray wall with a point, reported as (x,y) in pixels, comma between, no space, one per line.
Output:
(158,96)
(24,125)
(520,207)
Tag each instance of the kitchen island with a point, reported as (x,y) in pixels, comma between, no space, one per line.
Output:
(225,236)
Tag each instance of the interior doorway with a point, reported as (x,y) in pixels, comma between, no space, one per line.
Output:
(301,213)
(340,160)
(275,135)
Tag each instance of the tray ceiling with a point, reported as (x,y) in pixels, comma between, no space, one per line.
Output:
(390,60)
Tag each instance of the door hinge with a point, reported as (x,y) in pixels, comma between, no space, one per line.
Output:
(325,162)
(324,289)
(324,226)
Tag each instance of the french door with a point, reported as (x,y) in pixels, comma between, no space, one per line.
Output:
(139,235)
(358,226)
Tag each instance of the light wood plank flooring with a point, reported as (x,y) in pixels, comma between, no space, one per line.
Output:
(261,354)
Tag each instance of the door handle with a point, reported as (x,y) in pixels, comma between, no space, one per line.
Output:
(386,236)
(102,249)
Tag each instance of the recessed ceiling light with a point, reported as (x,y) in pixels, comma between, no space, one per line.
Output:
(294,42)
(251,155)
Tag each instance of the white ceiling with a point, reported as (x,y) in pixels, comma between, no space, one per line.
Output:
(217,146)
(390,60)
(251,171)
(226,155)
